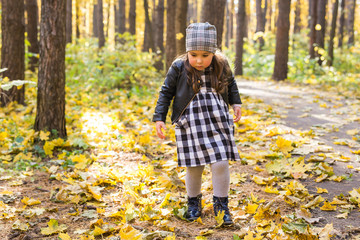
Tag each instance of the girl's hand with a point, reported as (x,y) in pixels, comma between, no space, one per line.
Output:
(237,113)
(159,126)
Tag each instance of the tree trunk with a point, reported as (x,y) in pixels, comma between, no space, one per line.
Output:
(297,21)
(68,21)
(260,27)
(32,32)
(159,36)
(320,34)
(313,20)
(270,16)
(231,22)
(170,47)
(192,12)
(213,12)
(77,24)
(95,21)
(240,34)
(282,41)
(132,17)
(50,114)
(100,23)
(180,25)
(227,24)
(264,13)
(122,17)
(13,49)
(148,34)
(341,23)
(351,22)
(332,33)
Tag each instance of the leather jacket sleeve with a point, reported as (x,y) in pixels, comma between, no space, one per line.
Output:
(166,95)
(233,92)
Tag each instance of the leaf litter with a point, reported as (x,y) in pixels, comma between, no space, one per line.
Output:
(114,179)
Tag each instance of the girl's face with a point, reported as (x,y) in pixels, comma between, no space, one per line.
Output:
(200,59)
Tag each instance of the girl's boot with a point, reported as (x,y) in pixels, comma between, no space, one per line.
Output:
(194,208)
(221,204)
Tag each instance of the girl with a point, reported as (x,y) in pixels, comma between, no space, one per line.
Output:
(201,85)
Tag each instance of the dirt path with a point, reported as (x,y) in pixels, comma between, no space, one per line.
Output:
(330,116)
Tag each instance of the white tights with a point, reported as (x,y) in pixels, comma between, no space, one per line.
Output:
(220,179)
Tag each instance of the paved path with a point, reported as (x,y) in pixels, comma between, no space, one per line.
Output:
(330,116)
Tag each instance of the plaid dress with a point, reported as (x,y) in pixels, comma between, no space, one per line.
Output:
(205,131)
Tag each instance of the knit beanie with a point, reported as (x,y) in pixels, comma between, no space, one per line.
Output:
(201,36)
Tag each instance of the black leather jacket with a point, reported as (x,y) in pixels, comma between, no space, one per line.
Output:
(176,86)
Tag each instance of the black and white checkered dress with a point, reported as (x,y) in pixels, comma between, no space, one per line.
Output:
(205,131)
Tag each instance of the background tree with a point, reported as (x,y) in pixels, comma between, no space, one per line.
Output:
(68,21)
(192,14)
(170,47)
(132,17)
(100,24)
(77,18)
(159,31)
(321,29)
(260,24)
(240,34)
(332,33)
(351,21)
(50,112)
(148,32)
(341,23)
(32,32)
(282,41)
(95,21)
(122,17)
(297,20)
(13,48)
(180,25)
(213,12)
(313,20)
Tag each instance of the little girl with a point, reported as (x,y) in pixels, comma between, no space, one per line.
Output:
(201,85)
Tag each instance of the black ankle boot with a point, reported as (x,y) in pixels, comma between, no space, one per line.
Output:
(194,208)
(221,204)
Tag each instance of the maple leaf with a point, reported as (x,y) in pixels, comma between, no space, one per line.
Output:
(44,136)
(321,190)
(220,218)
(64,236)
(328,207)
(53,227)
(285,146)
(30,201)
(251,208)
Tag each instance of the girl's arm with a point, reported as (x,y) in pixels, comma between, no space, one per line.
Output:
(159,126)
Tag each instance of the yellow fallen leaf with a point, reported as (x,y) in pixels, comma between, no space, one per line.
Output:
(44,136)
(129,233)
(251,208)
(285,146)
(328,207)
(220,218)
(269,189)
(98,231)
(64,236)
(53,227)
(258,169)
(321,190)
(30,201)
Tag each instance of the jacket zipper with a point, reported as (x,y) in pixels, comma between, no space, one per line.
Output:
(184,109)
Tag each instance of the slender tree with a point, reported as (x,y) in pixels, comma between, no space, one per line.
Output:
(332,33)
(13,48)
(240,34)
(270,16)
(297,21)
(32,32)
(68,21)
(77,18)
(96,21)
(180,25)
(100,24)
(159,36)
(122,17)
(132,17)
(351,22)
(148,34)
(170,47)
(260,26)
(321,29)
(214,13)
(313,20)
(50,111)
(282,41)
(341,23)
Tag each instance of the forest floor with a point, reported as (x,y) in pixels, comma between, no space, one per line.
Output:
(299,176)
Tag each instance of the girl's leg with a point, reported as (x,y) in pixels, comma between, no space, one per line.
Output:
(220,178)
(193,180)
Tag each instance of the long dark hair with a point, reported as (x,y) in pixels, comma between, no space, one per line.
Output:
(219,75)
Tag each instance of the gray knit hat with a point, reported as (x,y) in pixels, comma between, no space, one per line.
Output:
(201,36)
